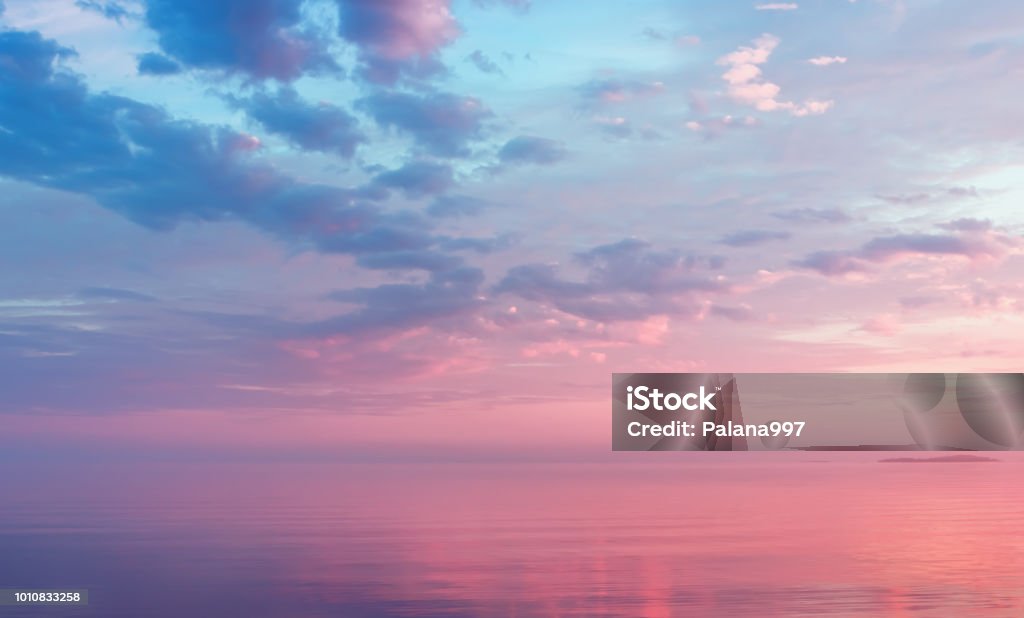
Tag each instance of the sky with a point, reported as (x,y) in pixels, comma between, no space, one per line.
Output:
(433,229)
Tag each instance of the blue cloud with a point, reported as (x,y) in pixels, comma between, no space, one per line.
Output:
(970,241)
(456,206)
(110,10)
(259,38)
(529,149)
(418,179)
(158,171)
(446,295)
(409,260)
(27,57)
(749,238)
(323,127)
(519,5)
(113,294)
(482,62)
(813,215)
(442,124)
(625,280)
(616,90)
(152,63)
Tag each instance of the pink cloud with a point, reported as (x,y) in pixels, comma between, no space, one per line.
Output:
(824,61)
(746,84)
(616,90)
(399,29)
(392,34)
(777,6)
(714,126)
(982,297)
(883,325)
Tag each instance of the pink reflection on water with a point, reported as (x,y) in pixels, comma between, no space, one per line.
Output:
(767,534)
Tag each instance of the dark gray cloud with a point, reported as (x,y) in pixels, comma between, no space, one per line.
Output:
(321,126)
(750,238)
(530,149)
(258,38)
(152,63)
(442,124)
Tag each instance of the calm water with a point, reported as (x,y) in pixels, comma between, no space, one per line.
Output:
(765,535)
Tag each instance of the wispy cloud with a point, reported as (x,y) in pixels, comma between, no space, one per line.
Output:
(824,61)
(969,242)
(777,6)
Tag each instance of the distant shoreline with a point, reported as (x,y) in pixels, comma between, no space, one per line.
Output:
(941,459)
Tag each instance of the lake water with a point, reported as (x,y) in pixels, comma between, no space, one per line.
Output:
(665,534)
